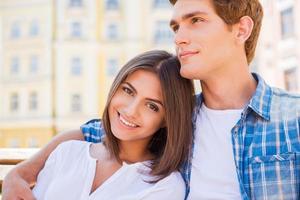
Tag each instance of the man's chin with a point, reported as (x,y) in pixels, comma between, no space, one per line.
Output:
(185,73)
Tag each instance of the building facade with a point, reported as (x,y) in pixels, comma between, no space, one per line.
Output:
(59,57)
(278,54)
(26,105)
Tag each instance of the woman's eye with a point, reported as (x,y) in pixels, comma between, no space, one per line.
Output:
(153,107)
(127,90)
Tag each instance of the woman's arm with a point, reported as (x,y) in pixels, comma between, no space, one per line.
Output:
(16,184)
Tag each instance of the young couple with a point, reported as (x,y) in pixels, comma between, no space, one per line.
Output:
(240,140)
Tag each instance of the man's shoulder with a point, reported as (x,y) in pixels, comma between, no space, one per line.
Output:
(285,94)
(93,130)
(280,96)
(284,103)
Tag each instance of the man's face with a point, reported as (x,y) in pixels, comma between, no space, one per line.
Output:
(204,43)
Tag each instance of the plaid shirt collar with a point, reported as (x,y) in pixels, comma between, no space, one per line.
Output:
(260,102)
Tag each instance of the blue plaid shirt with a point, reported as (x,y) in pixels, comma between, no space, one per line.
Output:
(266,145)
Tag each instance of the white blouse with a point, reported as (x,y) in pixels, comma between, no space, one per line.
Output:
(69,172)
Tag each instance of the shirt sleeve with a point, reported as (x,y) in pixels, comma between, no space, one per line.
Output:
(93,131)
(171,186)
(47,173)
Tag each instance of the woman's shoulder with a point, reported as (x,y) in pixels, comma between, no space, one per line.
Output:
(174,179)
(74,145)
(72,149)
(170,186)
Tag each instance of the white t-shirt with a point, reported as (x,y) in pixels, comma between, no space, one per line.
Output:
(69,174)
(213,175)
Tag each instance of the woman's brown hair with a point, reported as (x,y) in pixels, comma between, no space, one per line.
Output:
(169,145)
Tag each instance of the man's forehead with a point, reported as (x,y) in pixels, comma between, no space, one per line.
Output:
(184,8)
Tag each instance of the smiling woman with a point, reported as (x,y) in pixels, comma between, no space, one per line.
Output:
(147,121)
(135,113)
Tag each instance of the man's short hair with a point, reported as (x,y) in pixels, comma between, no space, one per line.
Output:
(231,12)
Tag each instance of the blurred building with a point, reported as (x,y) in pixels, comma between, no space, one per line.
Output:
(59,57)
(76,55)
(278,54)
(26,60)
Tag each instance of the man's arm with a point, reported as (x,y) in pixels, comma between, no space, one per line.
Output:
(16,184)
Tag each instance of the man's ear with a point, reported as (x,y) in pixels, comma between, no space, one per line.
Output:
(243,29)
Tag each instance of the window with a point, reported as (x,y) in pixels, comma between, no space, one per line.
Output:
(14,143)
(112,4)
(34,28)
(163,33)
(33,101)
(112,67)
(290,79)
(15,31)
(76,66)
(32,142)
(33,68)
(15,65)
(76,29)
(161,4)
(76,103)
(14,102)
(75,3)
(287,23)
(112,32)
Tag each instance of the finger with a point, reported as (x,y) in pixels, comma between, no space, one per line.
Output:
(27,194)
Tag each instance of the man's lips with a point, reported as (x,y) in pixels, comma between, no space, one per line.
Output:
(186,54)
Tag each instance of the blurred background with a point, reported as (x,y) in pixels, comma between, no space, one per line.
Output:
(59,57)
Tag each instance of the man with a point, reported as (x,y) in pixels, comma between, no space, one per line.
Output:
(247,134)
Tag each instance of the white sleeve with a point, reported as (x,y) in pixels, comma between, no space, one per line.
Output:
(171,187)
(47,173)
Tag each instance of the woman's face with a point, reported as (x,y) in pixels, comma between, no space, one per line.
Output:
(136,111)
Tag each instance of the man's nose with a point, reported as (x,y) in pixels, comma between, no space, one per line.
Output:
(181,37)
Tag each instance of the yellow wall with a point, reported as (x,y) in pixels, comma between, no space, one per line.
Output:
(42,135)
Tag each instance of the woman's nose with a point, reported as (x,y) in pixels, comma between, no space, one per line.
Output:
(131,110)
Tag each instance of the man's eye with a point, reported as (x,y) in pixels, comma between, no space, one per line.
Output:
(175,28)
(153,107)
(196,19)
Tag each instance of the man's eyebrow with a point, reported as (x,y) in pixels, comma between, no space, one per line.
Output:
(187,16)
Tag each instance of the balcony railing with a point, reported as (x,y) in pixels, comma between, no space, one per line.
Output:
(9,157)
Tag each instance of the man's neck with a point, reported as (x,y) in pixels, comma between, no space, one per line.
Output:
(230,90)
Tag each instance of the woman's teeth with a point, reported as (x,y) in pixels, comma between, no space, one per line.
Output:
(127,123)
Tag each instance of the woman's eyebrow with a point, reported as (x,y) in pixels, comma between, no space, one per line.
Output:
(156,101)
(131,86)
(149,99)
